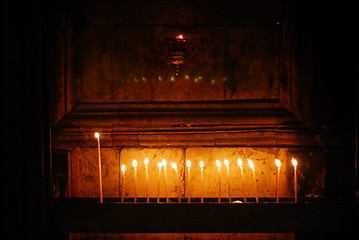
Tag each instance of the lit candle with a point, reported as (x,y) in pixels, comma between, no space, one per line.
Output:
(277,162)
(254,178)
(174,166)
(164,164)
(134,164)
(219,180)
(295,163)
(97,135)
(188,163)
(240,162)
(123,169)
(146,168)
(201,164)
(226,163)
(159,181)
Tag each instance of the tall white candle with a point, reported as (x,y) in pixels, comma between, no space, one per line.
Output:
(123,169)
(226,163)
(295,163)
(174,166)
(201,164)
(159,181)
(240,162)
(164,165)
(134,164)
(188,163)
(97,135)
(146,169)
(278,163)
(251,165)
(219,180)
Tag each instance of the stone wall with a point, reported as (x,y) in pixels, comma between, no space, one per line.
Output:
(84,172)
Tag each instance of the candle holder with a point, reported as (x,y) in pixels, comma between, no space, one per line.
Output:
(226,163)
(218,163)
(251,165)
(176,47)
(123,169)
(188,163)
(159,181)
(97,136)
(146,161)
(278,163)
(174,166)
(134,164)
(295,163)
(240,162)
(164,165)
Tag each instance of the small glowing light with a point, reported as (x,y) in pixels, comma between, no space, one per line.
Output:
(164,163)
(196,80)
(186,77)
(294,162)
(218,164)
(159,78)
(188,163)
(277,162)
(200,77)
(97,135)
(213,81)
(174,165)
(240,162)
(251,164)
(172,79)
(143,79)
(159,164)
(146,161)
(135,80)
(123,168)
(226,162)
(201,164)
(180,36)
(134,163)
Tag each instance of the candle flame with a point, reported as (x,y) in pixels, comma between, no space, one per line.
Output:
(159,164)
(226,162)
(174,165)
(134,163)
(218,164)
(277,162)
(201,164)
(97,135)
(146,161)
(123,168)
(240,162)
(180,36)
(251,164)
(164,163)
(294,162)
(188,163)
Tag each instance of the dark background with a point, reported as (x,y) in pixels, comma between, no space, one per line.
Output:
(328,29)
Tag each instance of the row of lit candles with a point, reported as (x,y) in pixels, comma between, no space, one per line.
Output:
(201,164)
(163,165)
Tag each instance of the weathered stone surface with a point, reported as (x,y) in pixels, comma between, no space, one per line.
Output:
(112,159)
(88,180)
(129,64)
